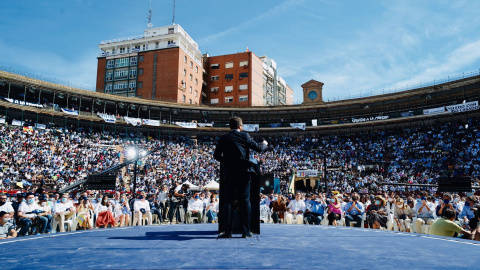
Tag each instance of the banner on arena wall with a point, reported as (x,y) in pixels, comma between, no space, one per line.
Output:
(28,129)
(251,127)
(464,107)
(17,123)
(314,122)
(23,103)
(367,119)
(186,124)
(434,110)
(205,124)
(2,121)
(301,126)
(275,125)
(41,126)
(406,114)
(108,118)
(150,122)
(71,112)
(133,121)
(307,173)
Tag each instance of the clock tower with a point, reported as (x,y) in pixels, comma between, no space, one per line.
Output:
(312,92)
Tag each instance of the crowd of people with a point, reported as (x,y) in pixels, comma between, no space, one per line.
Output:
(44,161)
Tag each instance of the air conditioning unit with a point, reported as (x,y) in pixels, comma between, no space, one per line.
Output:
(245,66)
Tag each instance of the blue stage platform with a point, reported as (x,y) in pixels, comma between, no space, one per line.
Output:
(279,246)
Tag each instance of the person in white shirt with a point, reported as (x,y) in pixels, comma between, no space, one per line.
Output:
(195,209)
(141,208)
(162,201)
(295,209)
(212,209)
(27,214)
(6,206)
(104,212)
(64,211)
(46,215)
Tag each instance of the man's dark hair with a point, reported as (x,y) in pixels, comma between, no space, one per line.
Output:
(2,213)
(235,122)
(448,213)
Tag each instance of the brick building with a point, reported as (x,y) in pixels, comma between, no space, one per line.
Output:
(165,64)
(244,79)
(162,64)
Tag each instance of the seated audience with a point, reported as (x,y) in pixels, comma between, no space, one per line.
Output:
(354,211)
(7,229)
(334,211)
(295,209)
(141,208)
(194,209)
(212,209)
(104,213)
(445,226)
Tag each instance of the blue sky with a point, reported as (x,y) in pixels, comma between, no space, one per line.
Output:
(354,47)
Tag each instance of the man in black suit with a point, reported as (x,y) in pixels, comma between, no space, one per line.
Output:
(233,151)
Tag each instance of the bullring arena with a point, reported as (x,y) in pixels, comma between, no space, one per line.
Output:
(389,148)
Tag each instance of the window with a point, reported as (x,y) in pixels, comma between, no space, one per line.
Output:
(215,78)
(184,98)
(109,76)
(243,75)
(120,74)
(190,101)
(110,64)
(108,87)
(185,59)
(214,101)
(133,73)
(171,30)
(144,47)
(136,48)
(243,87)
(228,99)
(243,98)
(196,69)
(122,50)
(120,86)
(191,64)
(121,62)
(191,77)
(139,85)
(133,61)
(196,81)
(244,63)
(214,89)
(228,77)
(132,85)
(196,93)
(140,71)
(190,89)
(228,89)
(113,51)
(229,65)
(215,66)
(140,58)
(157,45)
(184,72)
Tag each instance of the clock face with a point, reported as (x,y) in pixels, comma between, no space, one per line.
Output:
(312,95)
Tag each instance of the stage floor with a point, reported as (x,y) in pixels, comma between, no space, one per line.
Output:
(279,246)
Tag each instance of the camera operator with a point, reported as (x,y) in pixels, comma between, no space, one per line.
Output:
(180,199)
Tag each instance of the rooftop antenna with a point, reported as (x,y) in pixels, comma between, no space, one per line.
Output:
(173,21)
(149,17)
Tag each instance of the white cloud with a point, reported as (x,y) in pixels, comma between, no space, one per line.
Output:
(271,12)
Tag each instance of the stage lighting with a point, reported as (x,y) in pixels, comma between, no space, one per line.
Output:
(131,153)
